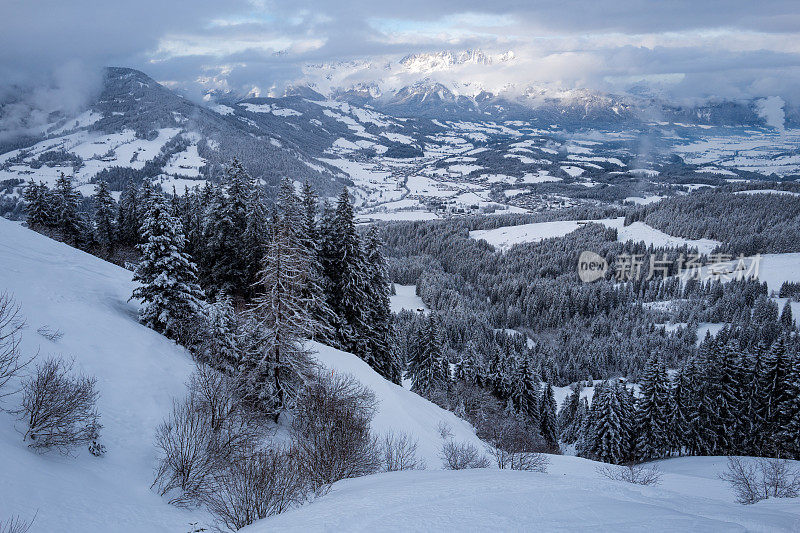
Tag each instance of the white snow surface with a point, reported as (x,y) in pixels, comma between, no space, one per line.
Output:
(400,410)
(138,372)
(405,297)
(571,496)
(505,237)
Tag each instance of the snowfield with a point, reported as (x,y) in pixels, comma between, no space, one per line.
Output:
(507,236)
(138,372)
(572,496)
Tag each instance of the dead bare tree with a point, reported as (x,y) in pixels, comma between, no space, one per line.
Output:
(331,430)
(400,453)
(11,326)
(59,408)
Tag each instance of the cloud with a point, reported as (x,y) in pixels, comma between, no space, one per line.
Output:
(690,49)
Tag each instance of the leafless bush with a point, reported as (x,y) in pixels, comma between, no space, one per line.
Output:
(445,431)
(50,334)
(16,525)
(256,485)
(460,456)
(632,473)
(203,434)
(400,453)
(331,430)
(59,408)
(11,326)
(761,478)
(514,445)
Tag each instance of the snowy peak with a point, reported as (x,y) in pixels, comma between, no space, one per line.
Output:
(431,62)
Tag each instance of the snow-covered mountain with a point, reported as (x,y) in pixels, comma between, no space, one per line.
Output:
(138,129)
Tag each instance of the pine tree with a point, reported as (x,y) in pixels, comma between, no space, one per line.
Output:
(379,313)
(221,346)
(314,290)
(169,292)
(775,394)
(652,418)
(38,209)
(606,439)
(682,412)
(104,223)
(425,360)
(525,393)
(344,266)
(129,216)
(278,362)
(787,320)
(547,417)
(68,217)
(570,417)
(225,265)
(789,433)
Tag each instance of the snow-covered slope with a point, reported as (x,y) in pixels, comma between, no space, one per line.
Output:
(138,372)
(400,410)
(572,496)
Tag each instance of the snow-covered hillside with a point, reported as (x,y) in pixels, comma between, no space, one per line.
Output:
(138,372)
(572,496)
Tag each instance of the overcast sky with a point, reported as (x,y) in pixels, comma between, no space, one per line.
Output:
(692,49)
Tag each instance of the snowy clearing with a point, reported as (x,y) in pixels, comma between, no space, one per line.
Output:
(406,299)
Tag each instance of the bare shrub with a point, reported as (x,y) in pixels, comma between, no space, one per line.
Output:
(17,525)
(445,431)
(50,334)
(256,485)
(460,456)
(761,478)
(515,445)
(331,430)
(632,473)
(11,326)
(59,408)
(400,453)
(203,434)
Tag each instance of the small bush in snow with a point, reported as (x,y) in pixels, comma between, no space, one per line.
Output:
(49,333)
(11,326)
(331,430)
(445,430)
(16,525)
(460,456)
(256,485)
(762,478)
(203,434)
(59,408)
(400,453)
(632,473)
(514,444)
